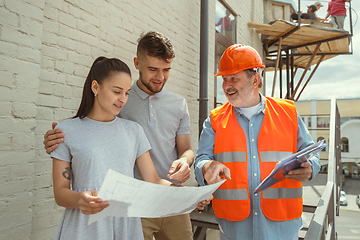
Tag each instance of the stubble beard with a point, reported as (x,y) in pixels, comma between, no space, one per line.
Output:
(149,87)
(245,97)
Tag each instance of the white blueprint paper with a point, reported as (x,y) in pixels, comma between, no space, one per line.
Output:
(129,197)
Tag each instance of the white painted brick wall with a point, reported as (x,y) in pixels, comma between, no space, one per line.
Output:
(20,44)
(46,49)
(24,110)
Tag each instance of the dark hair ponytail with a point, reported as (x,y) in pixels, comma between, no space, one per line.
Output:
(101,69)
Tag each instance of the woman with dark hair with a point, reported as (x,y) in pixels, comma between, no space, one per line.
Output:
(95,141)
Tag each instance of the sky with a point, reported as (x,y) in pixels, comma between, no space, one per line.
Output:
(338,77)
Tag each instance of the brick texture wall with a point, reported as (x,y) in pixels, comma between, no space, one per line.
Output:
(46,49)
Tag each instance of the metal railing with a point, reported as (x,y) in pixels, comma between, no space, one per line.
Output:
(323,223)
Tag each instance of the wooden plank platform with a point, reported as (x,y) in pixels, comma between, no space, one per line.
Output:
(307,37)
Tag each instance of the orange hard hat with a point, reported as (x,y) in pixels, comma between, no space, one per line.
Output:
(237,58)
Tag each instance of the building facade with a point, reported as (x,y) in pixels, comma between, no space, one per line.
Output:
(316,115)
(279,9)
(46,49)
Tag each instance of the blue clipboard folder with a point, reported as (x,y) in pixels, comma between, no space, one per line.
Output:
(288,164)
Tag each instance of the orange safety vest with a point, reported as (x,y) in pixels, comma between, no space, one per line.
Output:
(277,139)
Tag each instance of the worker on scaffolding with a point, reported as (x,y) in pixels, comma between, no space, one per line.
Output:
(242,141)
(310,14)
(318,6)
(337,13)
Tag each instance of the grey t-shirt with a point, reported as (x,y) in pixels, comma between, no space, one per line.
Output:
(93,147)
(162,116)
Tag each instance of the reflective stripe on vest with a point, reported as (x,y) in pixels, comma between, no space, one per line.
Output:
(231,194)
(231,157)
(274,156)
(278,193)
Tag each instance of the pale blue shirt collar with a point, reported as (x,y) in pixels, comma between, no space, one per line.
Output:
(143,95)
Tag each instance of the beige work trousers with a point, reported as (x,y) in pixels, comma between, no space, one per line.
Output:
(168,228)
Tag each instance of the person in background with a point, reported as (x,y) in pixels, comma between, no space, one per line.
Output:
(318,6)
(96,141)
(242,141)
(226,25)
(165,119)
(310,14)
(337,13)
(225,22)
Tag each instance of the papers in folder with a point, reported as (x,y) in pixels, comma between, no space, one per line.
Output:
(288,164)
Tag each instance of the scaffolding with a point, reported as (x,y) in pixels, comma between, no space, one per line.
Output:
(291,46)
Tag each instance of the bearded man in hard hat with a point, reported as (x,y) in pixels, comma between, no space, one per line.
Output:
(242,141)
